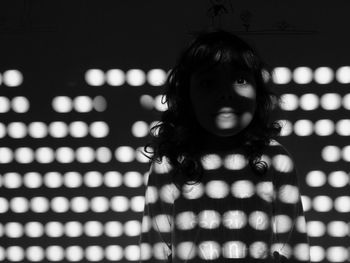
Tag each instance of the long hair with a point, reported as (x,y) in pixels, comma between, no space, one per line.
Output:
(177,135)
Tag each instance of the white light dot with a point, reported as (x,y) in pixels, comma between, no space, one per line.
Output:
(337,228)
(113,229)
(289,102)
(19,204)
(12,180)
(85,154)
(113,179)
(99,204)
(342,204)
(337,254)
(302,75)
(93,228)
(338,179)
(35,253)
(99,129)
(13,229)
(139,129)
(343,75)
(315,228)
(93,179)
(79,204)
(303,127)
(124,154)
(55,253)
(6,155)
(317,253)
(103,154)
(32,180)
(156,77)
(133,179)
(53,179)
(330,153)
(114,253)
(4,205)
(323,75)
(62,104)
(20,104)
(12,78)
(343,127)
(44,155)
(24,155)
(137,203)
(132,228)
(34,229)
(158,103)
(73,229)
(58,129)
(64,155)
(15,253)
(95,77)
(346,153)
(17,130)
(39,204)
(83,104)
(281,75)
(72,179)
(4,104)
(324,127)
(78,129)
(119,203)
(135,77)
(316,178)
(115,77)
(74,253)
(54,229)
(37,129)
(322,203)
(94,253)
(60,204)
(309,101)
(331,101)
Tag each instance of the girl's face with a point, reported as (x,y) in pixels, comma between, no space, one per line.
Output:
(223,89)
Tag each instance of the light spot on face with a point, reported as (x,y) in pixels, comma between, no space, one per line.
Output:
(234,219)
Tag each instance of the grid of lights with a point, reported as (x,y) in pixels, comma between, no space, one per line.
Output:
(18,130)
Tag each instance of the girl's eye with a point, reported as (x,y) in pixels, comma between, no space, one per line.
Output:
(241,81)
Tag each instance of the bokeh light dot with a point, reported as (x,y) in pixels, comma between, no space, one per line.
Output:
(32,180)
(24,155)
(12,78)
(17,130)
(37,129)
(53,179)
(115,77)
(331,101)
(12,180)
(78,129)
(93,228)
(119,203)
(19,204)
(15,253)
(158,103)
(99,129)
(113,229)
(331,153)
(303,127)
(83,104)
(146,102)
(342,127)
(316,178)
(94,77)
(80,204)
(73,229)
(139,129)
(74,253)
(302,75)
(323,75)
(39,204)
(58,129)
(135,77)
(44,155)
(324,127)
(20,104)
(34,229)
(54,253)
(6,155)
(62,104)
(35,253)
(124,154)
(343,75)
(322,203)
(133,179)
(72,179)
(103,154)
(346,101)
(338,179)
(156,77)
(4,104)
(290,102)
(281,75)
(64,155)
(99,204)
(342,204)
(93,179)
(113,179)
(309,101)
(60,204)
(99,103)
(13,230)
(94,253)
(85,154)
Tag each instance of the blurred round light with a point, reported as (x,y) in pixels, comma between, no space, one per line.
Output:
(85,154)
(65,155)
(83,104)
(146,102)
(93,228)
(35,253)
(103,154)
(95,77)
(74,253)
(322,203)
(133,179)
(15,253)
(343,127)
(337,228)
(337,254)
(342,204)
(24,155)
(315,228)
(119,203)
(281,75)
(139,129)
(99,204)
(17,130)
(158,104)
(4,104)
(290,102)
(39,204)
(55,253)
(79,204)
(135,77)
(20,104)
(99,103)
(303,127)
(53,179)
(32,180)
(99,129)
(37,129)
(62,104)
(113,179)
(287,127)
(331,153)
(124,154)
(60,204)
(73,229)
(12,78)
(156,77)
(331,101)
(12,180)
(302,75)
(58,129)
(44,155)
(113,229)
(115,77)
(78,129)
(346,153)
(54,229)
(93,179)
(94,253)
(343,75)
(323,75)
(317,253)
(316,178)
(309,101)
(324,127)
(72,179)
(338,179)
(6,155)
(132,228)
(19,204)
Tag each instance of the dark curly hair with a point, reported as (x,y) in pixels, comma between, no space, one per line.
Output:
(177,135)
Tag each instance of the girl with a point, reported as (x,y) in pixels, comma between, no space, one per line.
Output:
(220,187)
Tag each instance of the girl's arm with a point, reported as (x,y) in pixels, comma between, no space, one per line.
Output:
(289,225)
(155,239)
